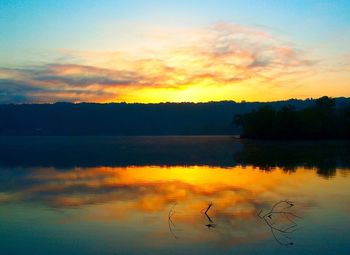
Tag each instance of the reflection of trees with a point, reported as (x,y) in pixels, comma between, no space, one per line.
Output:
(325,156)
(64,153)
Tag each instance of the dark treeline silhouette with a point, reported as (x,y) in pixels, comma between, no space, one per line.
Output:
(81,119)
(323,120)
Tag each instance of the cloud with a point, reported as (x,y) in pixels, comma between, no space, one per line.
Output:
(221,55)
(82,76)
(14,91)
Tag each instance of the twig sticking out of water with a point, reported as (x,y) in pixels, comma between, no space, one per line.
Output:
(283,231)
(170,222)
(211,223)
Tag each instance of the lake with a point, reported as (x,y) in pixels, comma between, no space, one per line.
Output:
(173,195)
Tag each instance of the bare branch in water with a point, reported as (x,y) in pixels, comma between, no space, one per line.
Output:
(267,217)
(211,223)
(171,224)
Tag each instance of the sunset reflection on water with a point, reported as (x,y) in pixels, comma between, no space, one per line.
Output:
(142,196)
(152,209)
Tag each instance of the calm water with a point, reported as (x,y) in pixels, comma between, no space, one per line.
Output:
(173,195)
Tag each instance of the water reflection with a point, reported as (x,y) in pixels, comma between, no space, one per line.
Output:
(176,208)
(324,156)
(114,193)
(151,188)
(171,224)
(281,222)
(215,151)
(210,223)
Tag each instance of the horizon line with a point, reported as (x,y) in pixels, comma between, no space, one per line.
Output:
(169,102)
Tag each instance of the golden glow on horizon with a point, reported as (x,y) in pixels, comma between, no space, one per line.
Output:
(222,62)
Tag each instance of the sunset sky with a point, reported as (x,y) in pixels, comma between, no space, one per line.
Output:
(173,51)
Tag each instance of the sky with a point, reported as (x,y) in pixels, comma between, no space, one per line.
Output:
(150,51)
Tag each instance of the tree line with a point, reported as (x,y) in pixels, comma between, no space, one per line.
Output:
(69,119)
(323,120)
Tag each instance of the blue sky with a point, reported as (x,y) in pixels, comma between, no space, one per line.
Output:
(34,33)
(79,24)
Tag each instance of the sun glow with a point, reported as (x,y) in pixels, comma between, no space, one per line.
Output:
(220,62)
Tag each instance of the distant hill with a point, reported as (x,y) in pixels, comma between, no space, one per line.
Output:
(213,118)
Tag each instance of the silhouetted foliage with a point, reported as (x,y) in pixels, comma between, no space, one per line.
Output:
(119,119)
(323,120)
(68,119)
(213,118)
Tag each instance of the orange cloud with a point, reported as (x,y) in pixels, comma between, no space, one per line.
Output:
(223,61)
